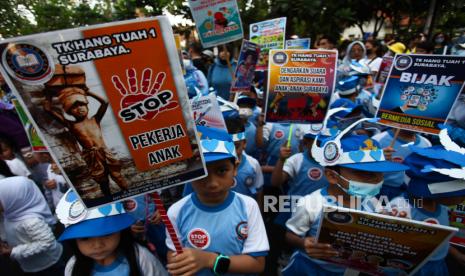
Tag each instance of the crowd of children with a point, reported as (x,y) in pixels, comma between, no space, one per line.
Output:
(222,222)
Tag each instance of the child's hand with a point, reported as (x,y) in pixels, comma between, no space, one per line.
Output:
(318,250)
(388,153)
(261,119)
(51,184)
(155,218)
(394,212)
(284,152)
(190,261)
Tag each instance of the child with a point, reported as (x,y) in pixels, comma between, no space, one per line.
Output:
(347,178)
(101,161)
(55,186)
(28,222)
(431,188)
(15,164)
(102,242)
(393,185)
(249,178)
(222,231)
(247,105)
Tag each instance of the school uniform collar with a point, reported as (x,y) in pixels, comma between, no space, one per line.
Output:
(217,208)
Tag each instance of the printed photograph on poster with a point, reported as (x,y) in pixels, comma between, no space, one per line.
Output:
(457,219)
(382,75)
(269,35)
(217,21)
(300,85)
(206,112)
(113,112)
(298,43)
(245,70)
(420,91)
(379,244)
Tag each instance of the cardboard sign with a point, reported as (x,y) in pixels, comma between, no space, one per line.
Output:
(245,70)
(217,21)
(457,219)
(299,43)
(420,91)
(300,84)
(378,244)
(206,112)
(269,35)
(382,75)
(111,105)
(36,143)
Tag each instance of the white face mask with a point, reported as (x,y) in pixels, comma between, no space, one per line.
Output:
(245,112)
(361,189)
(186,62)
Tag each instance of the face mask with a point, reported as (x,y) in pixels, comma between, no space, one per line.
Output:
(361,189)
(245,112)
(439,40)
(186,62)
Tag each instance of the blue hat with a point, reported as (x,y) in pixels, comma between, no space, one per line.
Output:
(347,86)
(359,69)
(342,102)
(86,223)
(358,152)
(437,171)
(216,144)
(229,109)
(244,99)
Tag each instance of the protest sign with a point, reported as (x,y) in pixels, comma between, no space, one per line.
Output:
(420,91)
(217,21)
(36,143)
(299,43)
(111,105)
(269,35)
(382,74)
(300,84)
(379,244)
(245,70)
(457,219)
(206,112)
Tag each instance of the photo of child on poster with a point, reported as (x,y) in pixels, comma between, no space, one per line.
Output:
(245,71)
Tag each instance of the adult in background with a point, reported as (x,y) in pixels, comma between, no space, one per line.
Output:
(326,43)
(440,41)
(195,52)
(219,74)
(373,59)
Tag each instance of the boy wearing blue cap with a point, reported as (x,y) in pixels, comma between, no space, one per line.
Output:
(436,179)
(354,167)
(221,231)
(101,241)
(348,88)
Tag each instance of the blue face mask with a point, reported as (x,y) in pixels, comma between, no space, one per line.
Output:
(361,189)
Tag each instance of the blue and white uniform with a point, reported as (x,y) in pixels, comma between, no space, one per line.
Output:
(251,147)
(304,223)
(249,178)
(393,181)
(205,227)
(437,263)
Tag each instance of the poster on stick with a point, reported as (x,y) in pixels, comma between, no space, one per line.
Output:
(457,219)
(379,244)
(300,84)
(206,112)
(298,43)
(420,91)
(269,35)
(245,70)
(113,111)
(217,21)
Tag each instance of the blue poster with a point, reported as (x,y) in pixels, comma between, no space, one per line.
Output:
(420,91)
(245,70)
(299,43)
(217,21)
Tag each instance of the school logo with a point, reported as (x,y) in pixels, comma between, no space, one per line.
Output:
(315,174)
(280,58)
(28,63)
(330,152)
(144,101)
(403,63)
(255,28)
(249,180)
(130,205)
(199,238)
(77,211)
(279,134)
(242,230)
